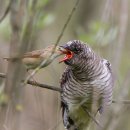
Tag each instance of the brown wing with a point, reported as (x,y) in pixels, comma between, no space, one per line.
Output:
(38,53)
(33,54)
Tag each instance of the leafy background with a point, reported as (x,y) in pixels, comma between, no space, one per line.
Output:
(32,24)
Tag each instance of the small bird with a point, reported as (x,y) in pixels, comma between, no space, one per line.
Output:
(87,84)
(34,58)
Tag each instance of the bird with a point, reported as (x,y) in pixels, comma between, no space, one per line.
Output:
(34,58)
(86,84)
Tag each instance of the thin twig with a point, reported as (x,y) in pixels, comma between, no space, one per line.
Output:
(44,86)
(92,117)
(6,12)
(66,23)
(34,83)
(57,42)
(41,85)
(121,102)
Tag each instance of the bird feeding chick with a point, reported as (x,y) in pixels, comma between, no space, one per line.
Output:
(34,58)
(87,84)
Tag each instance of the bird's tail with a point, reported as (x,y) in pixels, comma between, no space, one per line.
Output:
(68,122)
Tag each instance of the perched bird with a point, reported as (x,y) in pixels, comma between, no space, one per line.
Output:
(33,59)
(87,84)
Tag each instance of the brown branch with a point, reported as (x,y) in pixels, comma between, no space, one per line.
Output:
(41,85)
(44,86)
(6,12)
(34,83)
(121,102)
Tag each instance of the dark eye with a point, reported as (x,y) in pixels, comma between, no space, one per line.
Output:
(77,50)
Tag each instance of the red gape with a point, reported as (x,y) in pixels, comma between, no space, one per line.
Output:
(69,55)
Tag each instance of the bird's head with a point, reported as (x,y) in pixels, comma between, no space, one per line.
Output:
(75,51)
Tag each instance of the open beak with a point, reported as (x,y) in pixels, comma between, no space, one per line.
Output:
(68,54)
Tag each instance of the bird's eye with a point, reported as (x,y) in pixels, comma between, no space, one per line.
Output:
(77,50)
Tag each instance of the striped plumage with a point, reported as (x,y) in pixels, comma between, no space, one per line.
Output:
(87,83)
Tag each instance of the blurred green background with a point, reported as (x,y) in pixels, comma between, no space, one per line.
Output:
(35,24)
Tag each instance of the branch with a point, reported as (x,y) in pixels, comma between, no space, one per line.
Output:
(34,83)
(41,85)
(121,102)
(57,42)
(67,21)
(92,117)
(44,86)
(6,12)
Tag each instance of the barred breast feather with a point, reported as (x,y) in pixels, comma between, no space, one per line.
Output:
(87,83)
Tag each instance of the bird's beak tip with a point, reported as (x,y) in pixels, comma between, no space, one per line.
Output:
(62,50)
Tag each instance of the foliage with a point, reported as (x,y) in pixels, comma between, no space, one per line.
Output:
(99,33)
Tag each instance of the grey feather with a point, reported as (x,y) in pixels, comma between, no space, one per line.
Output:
(86,82)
